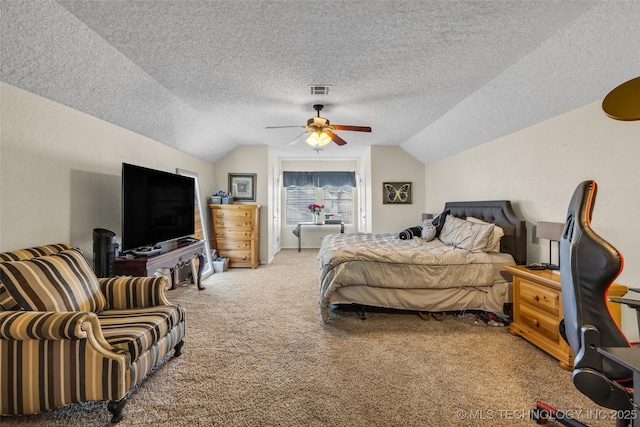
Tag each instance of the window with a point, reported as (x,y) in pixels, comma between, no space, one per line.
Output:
(297,200)
(334,190)
(337,201)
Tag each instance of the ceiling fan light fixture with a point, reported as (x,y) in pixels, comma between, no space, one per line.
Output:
(318,139)
(322,131)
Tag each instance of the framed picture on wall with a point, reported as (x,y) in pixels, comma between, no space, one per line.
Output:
(243,186)
(396,193)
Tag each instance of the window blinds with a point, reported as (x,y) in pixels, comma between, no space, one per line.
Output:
(319,179)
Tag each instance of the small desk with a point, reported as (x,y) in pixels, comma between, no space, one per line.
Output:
(298,230)
(629,357)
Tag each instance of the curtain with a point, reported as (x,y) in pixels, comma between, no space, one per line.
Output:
(319,179)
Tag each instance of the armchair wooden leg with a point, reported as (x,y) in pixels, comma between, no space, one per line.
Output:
(178,349)
(116,407)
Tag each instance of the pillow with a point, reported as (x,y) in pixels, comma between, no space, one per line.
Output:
(498,233)
(467,235)
(438,221)
(60,282)
(410,233)
(6,300)
(428,230)
(36,251)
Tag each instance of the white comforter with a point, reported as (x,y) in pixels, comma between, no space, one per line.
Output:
(383,260)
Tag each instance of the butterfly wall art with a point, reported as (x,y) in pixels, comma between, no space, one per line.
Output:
(396,193)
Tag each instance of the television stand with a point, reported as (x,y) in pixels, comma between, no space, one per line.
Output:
(146,251)
(170,259)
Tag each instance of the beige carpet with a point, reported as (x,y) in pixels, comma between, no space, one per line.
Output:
(257,354)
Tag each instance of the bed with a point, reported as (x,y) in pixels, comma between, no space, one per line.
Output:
(382,270)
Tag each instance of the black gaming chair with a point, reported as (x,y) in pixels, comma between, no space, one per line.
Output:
(588,266)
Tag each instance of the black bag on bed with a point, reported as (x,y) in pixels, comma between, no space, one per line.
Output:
(410,233)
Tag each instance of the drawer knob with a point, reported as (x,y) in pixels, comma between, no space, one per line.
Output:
(536,323)
(536,298)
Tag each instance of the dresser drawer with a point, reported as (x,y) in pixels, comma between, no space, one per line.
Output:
(241,223)
(538,296)
(233,244)
(233,214)
(539,322)
(238,257)
(234,234)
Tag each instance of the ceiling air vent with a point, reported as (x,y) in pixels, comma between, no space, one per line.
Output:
(320,90)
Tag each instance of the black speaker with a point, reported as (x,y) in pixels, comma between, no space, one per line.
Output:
(104,252)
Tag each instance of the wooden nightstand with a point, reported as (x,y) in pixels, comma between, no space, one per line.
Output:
(537,310)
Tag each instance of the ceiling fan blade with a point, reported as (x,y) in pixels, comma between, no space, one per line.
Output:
(282,127)
(335,138)
(297,138)
(352,128)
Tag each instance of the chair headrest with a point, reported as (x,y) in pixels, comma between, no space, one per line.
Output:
(588,266)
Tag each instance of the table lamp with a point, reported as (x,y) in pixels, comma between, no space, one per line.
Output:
(551,231)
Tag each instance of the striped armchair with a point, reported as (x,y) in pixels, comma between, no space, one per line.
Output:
(67,336)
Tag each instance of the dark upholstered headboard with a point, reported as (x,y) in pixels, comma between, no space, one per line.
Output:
(501,213)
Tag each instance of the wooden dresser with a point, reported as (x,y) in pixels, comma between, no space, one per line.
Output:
(236,233)
(537,310)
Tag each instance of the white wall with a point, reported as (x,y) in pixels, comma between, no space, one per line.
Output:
(256,159)
(392,164)
(538,169)
(382,163)
(60,171)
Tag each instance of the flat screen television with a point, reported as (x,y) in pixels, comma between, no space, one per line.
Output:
(157,206)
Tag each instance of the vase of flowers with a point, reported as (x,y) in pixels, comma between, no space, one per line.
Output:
(316,210)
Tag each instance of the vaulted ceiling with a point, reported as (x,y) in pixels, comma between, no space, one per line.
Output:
(434,77)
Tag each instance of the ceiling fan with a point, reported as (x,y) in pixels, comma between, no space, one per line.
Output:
(321,130)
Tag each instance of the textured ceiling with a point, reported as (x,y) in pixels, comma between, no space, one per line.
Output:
(435,77)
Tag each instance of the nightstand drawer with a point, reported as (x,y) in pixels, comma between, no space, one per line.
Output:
(541,297)
(539,322)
